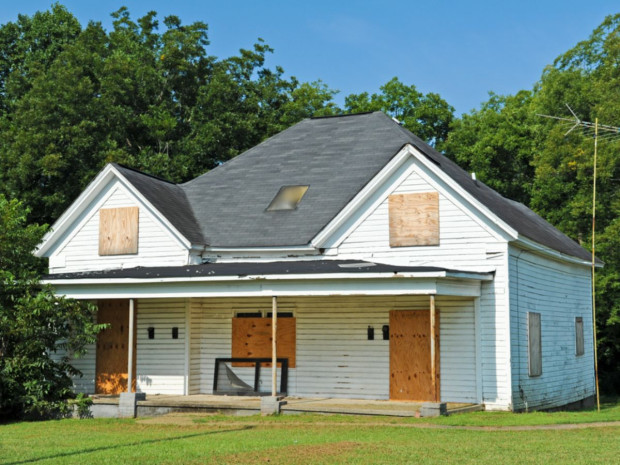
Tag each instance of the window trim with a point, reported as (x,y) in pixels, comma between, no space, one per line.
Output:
(579,329)
(531,317)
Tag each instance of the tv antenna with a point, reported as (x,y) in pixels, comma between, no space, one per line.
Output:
(609,132)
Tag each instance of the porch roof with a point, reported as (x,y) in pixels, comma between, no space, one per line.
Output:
(290,278)
(301,269)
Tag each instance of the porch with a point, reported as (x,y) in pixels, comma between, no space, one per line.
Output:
(348,330)
(161,404)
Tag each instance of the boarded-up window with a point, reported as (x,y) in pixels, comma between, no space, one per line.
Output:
(414,219)
(534,344)
(251,338)
(579,350)
(118,231)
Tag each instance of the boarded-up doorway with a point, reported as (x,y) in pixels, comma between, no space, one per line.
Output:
(410,356)
(112,348)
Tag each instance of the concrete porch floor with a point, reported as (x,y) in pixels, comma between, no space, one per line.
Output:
(160,404)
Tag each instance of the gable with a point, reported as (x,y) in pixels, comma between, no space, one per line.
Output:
(438,225)
(115,230)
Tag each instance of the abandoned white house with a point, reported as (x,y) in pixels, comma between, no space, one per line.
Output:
(396,276)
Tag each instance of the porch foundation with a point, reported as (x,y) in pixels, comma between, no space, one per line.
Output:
(433,409)
(128,403)
(271,405)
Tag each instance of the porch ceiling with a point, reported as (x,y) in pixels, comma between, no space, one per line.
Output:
(303,278)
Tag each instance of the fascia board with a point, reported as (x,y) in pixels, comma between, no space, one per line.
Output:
(507,229)
(549,252)
(67,218)
(287,277)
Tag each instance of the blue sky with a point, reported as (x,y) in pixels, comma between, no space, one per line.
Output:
(459,49)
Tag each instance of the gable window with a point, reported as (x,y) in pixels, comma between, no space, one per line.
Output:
(579,349)
(287,198)
(414,219)
(534,344)
(118,231)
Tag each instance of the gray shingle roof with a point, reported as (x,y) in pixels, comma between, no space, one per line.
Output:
(169,199)
(336,157)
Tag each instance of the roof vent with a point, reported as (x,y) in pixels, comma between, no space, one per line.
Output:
(287,198)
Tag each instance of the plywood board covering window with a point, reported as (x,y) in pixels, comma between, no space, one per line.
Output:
(414,219)
(118,231)
(251,338)
(534,344)
(579,350)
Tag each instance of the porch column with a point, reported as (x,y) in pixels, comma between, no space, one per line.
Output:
(433,364)
(130,348)
(274,357)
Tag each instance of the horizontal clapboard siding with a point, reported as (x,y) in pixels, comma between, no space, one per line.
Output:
(160,362)
(334,357)
(465,242)
(86,364)
(560,293)
(80,250)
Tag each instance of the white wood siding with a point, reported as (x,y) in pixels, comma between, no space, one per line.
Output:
(86,364)
(466,241)
(160,362)
(559,292)
(78,250)
(334,357)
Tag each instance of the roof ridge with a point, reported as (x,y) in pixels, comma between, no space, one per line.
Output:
(343,115)
(148,175)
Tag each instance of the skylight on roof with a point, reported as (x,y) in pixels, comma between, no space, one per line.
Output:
(287,198)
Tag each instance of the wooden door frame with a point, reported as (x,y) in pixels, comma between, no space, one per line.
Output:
(135,342)
(436,384)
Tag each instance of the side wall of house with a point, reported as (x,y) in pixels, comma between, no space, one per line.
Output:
(334,356)
(78,250)
(560,292)
(466,242)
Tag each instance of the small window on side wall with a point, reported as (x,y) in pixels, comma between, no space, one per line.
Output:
(534,344)
(579,350)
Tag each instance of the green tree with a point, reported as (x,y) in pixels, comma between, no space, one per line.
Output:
(497,142)
(426,115)
(38,330)
(587,77)
(156,101)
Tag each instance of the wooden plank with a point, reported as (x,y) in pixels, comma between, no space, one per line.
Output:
(410,356)
(534,344)
(118,231)
(112,348)
(252,337)
(414,219)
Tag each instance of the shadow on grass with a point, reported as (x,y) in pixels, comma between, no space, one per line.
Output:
(129,444)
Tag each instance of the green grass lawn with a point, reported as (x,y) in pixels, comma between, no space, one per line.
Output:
(316,439)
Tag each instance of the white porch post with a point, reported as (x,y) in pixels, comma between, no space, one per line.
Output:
(130,348)
(274,357)
(433,365)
